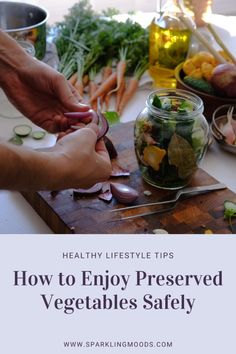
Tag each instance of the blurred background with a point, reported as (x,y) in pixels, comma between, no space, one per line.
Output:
(58,8)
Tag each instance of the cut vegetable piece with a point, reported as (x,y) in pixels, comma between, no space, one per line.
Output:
(208,232)
(230,206)
(16,140)
(39,134)
(159,231)
(153,156)
(106,194)
(22,130)
(94,189)
(110,148)
(230,212)
(104,126)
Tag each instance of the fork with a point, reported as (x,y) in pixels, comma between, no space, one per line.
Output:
(189,191)
(164,210)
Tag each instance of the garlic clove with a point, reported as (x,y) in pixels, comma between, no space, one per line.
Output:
(227,129)
(123,193)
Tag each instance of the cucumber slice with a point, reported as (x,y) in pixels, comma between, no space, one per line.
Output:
(22,130)
(16,140)
(230,206)
(39,134)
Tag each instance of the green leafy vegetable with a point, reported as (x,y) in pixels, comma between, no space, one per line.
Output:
(185,107)
(156,102)
(230,212)
(98,39)
(181,155)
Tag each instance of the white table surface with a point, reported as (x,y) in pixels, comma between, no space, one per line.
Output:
(18,217)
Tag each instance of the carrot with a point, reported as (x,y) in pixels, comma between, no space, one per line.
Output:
(132,86)
(107,85)
(85,80)
(119,94)
(107,101)
(121,68)
(128,93)
(106,72)
(73,79)
(92,87)
(79,87)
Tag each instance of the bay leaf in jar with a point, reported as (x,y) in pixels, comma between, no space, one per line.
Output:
(181,155)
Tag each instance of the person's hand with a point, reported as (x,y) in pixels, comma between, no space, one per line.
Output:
(82,160)
(42,94)
(76,161)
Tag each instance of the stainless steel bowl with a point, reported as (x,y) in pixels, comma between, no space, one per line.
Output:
(25,22)
(218,120)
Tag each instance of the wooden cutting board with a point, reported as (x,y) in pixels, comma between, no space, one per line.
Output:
(89,215)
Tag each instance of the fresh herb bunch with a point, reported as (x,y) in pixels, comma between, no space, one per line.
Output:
(98,39)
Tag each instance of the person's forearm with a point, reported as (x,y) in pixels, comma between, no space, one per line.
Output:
(24,169)
(11,55)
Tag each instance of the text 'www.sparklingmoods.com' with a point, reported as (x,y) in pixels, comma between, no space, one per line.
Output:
(118,344)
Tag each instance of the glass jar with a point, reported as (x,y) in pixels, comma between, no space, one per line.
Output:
(171,136)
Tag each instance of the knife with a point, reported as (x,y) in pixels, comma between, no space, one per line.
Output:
(188,192)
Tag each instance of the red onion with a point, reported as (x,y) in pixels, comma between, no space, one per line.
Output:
(106,194)
(94,189)
(223,80)
(110,148)
(78,115)
(104,126)
(83,116)
(96,118)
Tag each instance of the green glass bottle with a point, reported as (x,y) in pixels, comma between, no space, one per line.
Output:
(168,44)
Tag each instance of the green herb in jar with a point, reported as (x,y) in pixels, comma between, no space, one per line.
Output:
(172,104)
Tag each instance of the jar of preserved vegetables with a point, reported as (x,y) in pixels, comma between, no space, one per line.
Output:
(171,136)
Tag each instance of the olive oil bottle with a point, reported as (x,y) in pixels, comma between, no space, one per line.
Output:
(168,45)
